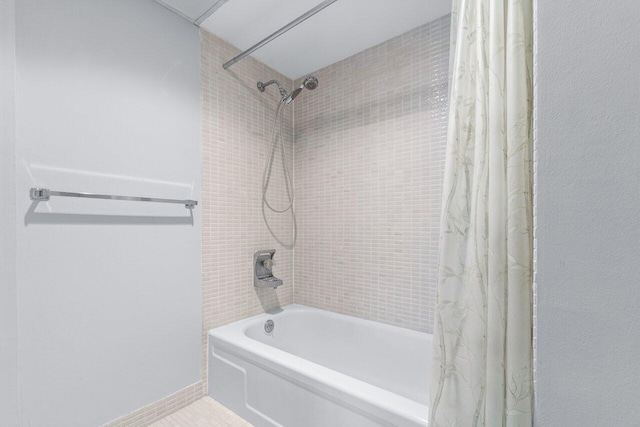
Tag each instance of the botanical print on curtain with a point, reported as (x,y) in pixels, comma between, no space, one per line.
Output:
(483,333)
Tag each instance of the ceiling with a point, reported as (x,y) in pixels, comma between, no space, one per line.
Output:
(195,11)
(344,28)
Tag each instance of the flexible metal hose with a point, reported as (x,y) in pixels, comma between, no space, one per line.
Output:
(266,177)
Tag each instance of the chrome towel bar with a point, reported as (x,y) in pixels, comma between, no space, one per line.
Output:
(43,194)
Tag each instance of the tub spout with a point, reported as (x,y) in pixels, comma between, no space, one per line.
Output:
(271,282)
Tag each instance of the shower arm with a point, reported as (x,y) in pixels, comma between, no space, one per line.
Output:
(263,86)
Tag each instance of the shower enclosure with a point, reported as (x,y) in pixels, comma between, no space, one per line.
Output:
(357,174)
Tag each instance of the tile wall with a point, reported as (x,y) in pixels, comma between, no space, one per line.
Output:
(369,159)
(236,125)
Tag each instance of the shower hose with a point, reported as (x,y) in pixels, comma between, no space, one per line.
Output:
(266,178)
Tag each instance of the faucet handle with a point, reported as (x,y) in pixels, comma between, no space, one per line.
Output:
(262,265)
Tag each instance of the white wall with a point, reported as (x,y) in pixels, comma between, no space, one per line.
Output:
(588,196)
(109,313)
(8,296)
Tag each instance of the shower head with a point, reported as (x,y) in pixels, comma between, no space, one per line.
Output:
(293,95)
(310,83)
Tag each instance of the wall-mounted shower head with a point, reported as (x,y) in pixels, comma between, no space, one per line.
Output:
(310,83)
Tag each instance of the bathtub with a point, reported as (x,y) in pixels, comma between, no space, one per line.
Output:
(317,368)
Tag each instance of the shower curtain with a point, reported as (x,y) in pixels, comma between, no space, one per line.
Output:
(482,372)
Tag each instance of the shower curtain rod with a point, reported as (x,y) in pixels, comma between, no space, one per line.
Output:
(278,33)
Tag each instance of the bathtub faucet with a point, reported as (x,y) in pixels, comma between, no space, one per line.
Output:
(262,265)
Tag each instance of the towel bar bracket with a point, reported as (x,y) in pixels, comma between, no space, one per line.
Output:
(40,194)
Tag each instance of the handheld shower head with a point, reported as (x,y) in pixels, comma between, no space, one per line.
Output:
(310,83)
(293,95)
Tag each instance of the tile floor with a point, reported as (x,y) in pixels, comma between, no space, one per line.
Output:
(205,412)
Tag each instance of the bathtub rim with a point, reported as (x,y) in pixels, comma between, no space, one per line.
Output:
(370,400)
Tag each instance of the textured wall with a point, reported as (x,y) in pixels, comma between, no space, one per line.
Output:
(236,125)
(369,146)
(588,227)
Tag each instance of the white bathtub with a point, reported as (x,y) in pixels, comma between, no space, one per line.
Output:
(319,368)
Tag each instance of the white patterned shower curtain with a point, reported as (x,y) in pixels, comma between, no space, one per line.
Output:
(482,372)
